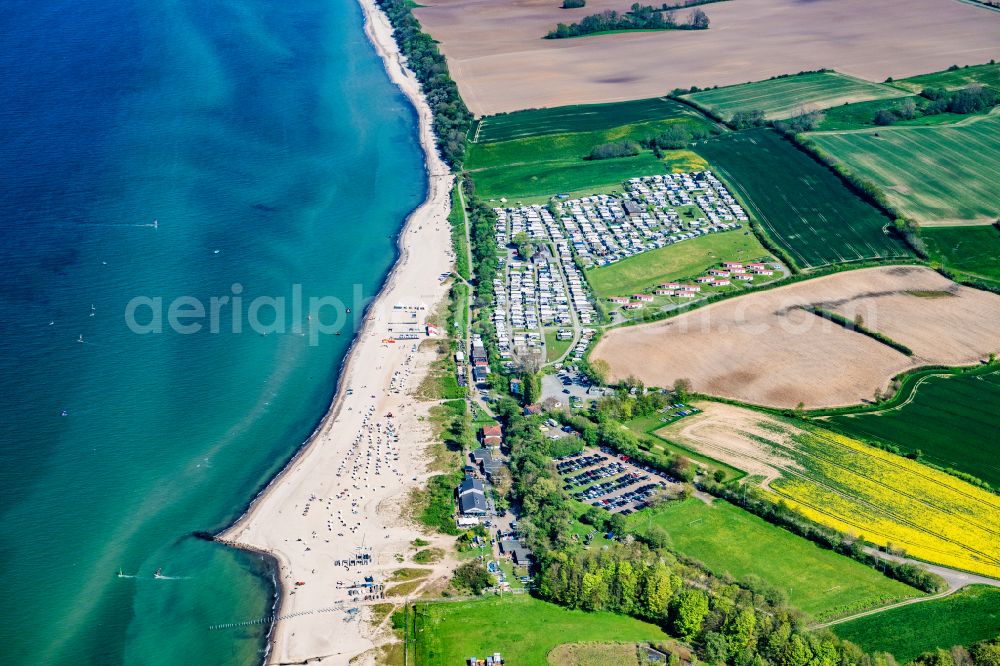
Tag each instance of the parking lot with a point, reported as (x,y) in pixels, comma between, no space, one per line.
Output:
(606,480)
(566,384)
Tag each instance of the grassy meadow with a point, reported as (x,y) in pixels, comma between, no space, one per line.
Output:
(968,616)
(951,419)
(950,172)
(969,251)
(686,259)
(727,539)
(579,118)
(986,75)
(535,154)
(520,627)
(538,182)
(566,146)
(785,97)
(803,205)
(459,241)
(555,348)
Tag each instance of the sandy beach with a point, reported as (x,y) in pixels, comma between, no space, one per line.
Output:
(341,499)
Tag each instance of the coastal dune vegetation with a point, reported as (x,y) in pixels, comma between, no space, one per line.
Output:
(452,118)
(678,569)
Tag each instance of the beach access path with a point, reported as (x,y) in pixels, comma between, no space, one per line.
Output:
(344,495)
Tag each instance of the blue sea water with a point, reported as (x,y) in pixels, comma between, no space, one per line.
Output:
(268,143)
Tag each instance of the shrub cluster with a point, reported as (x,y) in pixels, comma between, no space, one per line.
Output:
(677,136)
(971,99)
(747,119)
(607,151)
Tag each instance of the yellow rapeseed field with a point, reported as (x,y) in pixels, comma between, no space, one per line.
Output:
(888,499)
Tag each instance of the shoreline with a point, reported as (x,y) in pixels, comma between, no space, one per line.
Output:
(434,208)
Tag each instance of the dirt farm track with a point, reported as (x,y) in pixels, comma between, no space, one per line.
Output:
(497,55)
(763,349)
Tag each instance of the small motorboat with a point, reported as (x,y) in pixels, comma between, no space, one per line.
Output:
(158,573)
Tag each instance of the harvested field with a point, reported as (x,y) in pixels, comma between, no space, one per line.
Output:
(951,170)
(785,97)
(842,483)
(496,54)
(763,349)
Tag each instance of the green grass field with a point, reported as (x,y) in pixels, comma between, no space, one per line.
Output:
(566,146)
(971,251)
(461,311)
(952,419)
(987,75)
(803,205)
(539,181)
(785,97)
(555,348)
(459,242)
(937,173)
(686,259)
(520,627)
(966,617)
(728,539)
(579,118)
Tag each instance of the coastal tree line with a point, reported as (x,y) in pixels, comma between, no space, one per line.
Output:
(452,118)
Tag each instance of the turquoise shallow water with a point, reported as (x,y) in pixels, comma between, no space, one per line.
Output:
(270,146)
